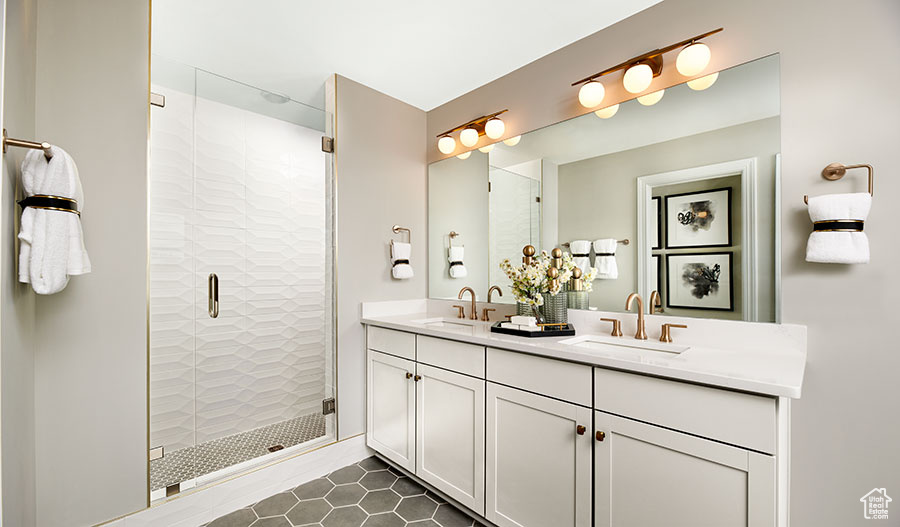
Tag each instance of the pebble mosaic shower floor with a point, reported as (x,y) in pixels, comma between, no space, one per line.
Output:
(188,463)
(365,494)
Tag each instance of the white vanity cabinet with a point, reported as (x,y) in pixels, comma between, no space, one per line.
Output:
(526,440)
(425,409)
(391,407)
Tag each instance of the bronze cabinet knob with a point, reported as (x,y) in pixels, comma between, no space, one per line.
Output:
(408,375)
(600,435)
(417,378)
(580,430)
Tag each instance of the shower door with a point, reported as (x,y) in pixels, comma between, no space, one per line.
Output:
(241,278)
(515,219)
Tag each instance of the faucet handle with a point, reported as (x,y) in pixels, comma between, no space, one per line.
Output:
(484,314)
(666,335)
(617,326)
(461,311)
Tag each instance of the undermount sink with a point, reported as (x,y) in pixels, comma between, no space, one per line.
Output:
(599,342)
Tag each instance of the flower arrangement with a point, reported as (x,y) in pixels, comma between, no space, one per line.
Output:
(530,281)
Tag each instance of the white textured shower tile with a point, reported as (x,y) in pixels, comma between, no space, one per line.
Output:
(221,218)
(223,324)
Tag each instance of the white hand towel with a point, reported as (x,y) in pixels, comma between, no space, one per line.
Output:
(581,254)
(51,245)
(457,267)
(401,270)
(838,246)
(605,259)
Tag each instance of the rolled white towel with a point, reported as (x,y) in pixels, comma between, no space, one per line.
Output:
(400,267)
(581,254)
(457,266)
(839,219)
(605,259)
(51,245)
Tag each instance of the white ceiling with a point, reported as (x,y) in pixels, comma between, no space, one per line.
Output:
(422,52)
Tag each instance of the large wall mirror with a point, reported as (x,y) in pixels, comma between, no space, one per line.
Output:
(690,182)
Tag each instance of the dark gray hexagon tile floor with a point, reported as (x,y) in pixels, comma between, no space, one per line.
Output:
(366,494)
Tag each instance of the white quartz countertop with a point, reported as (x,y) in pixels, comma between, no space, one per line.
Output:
(774,368)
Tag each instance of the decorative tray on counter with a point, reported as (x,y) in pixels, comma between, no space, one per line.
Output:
(550,330)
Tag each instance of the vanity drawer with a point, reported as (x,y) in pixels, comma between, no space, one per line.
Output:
(393,342)
(731,417)
(554,378)
(451,355)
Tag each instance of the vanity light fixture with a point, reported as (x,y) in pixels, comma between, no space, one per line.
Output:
(494,128)
(512,141)
(465,155)
(470,132)
(651,98)
(642,69)
(591,94)
(446,144)
(703,82)
(606,113)
(486,149)
(468,137)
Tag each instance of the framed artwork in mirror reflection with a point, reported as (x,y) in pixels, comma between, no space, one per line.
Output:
(698,219)
(700,281)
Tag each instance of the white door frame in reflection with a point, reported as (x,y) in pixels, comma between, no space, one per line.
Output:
(746,168)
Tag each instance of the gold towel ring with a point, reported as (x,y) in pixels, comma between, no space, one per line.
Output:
(836,171)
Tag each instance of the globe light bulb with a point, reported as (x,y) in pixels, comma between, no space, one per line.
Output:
(468,137)
(638,78)
(465,155)
(607,112)
(693,59)
(486,149)
(512,141)
(591,94)
(446,144)
(703,82)
(651,98)
(494,128)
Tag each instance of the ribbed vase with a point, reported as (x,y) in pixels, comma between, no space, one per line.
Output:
(578,300)
(555,308)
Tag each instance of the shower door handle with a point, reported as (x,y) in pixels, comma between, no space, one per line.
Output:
(212,288)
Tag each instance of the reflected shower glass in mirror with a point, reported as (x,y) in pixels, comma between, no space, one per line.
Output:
(690,181)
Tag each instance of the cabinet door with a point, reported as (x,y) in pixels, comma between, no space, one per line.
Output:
(391,408)
(538,465)
(646,475)
(450,434)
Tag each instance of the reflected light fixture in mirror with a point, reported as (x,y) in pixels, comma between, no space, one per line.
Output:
(693,59)
(446,144)
(591,94)
(638,78)
(651,98)
(703,82)
(468,137)
(494,128)
(464,155)
(512,141)
(606,113)
(486,149)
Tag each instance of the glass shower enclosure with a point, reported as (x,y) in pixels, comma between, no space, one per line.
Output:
(241,294)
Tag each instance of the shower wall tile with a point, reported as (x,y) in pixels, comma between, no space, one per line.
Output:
(241,195)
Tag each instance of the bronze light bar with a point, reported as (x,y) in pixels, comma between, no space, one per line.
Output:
(651,58)
(477,124)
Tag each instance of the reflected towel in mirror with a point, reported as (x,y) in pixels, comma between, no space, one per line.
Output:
(457,267)
(605,259)
(581,254)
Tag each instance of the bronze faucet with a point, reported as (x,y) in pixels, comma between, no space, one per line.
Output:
(485,311)
(641,328)
(474,315)
(655,302)
(491,290)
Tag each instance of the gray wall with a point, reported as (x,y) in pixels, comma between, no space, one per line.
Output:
(16,300)
(458,201)
(90,392)
(843,433)
(597,199)
(381,181)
